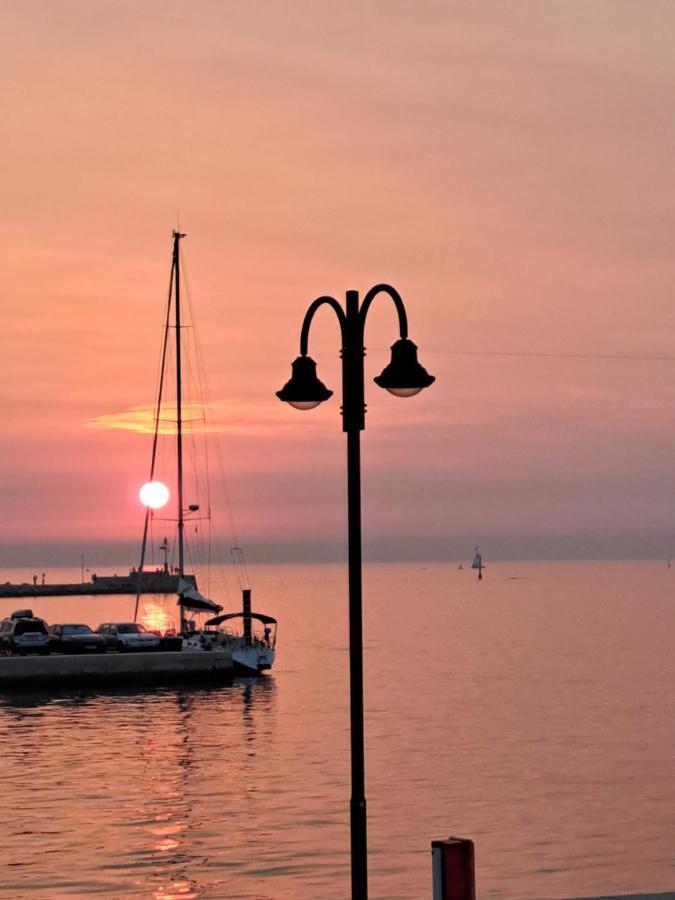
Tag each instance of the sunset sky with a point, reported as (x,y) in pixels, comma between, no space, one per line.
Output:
(509,167)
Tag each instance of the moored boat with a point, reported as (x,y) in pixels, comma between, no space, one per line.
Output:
(253,650)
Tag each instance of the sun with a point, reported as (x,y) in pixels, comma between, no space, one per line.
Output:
(154,494)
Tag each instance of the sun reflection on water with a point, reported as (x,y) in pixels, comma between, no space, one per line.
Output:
(179,890)
(155,616)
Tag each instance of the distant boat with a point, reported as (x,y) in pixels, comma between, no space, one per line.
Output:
(460,566)
(478,563)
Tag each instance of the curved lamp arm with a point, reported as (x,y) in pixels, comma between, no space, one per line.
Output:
(309,315)
(398,303)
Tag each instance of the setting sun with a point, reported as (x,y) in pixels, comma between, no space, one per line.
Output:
(154,494)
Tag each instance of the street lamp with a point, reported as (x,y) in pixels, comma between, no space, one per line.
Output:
(403,377)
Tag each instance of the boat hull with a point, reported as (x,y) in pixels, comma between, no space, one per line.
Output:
(252,660)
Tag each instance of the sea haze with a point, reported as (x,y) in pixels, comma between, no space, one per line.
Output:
(532,712)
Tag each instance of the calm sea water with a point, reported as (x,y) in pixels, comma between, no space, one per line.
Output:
(532,712)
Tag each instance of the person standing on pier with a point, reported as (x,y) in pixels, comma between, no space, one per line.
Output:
(43,577)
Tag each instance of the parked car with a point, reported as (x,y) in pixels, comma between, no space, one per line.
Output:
(22,633)
(124,636)
(75,639)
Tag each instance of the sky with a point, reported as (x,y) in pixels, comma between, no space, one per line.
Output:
(508,167)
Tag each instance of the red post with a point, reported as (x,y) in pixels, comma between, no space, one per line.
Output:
(453,870)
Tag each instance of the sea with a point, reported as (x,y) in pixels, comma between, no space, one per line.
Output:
(532,712)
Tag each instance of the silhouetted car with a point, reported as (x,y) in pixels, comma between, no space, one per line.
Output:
(124,636)
(75,639)
(23,633)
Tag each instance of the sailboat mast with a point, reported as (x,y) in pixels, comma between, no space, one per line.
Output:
(158,410)
(179,416)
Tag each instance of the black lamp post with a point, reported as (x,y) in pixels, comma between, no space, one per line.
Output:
(404,376)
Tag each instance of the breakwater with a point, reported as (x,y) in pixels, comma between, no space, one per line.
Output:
(151,583)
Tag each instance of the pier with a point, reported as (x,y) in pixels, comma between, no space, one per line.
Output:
(160,582)
(114,669)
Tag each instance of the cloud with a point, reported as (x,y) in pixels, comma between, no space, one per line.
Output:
(141,419)
(233,418)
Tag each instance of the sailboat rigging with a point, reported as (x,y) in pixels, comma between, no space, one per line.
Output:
(251,652)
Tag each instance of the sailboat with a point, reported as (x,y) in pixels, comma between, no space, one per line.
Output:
(252,651)
(478,563)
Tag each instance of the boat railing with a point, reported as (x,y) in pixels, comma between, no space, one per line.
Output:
(260,638)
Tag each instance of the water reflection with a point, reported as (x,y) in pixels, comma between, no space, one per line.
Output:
(519,720)
(142,781)
(177,827)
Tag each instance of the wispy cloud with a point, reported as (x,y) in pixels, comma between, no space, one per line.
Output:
(234,418)
(142,420)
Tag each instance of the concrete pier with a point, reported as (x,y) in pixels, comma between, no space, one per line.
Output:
(151,583)
(113,669)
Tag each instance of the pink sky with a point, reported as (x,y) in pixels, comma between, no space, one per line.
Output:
(507,166)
